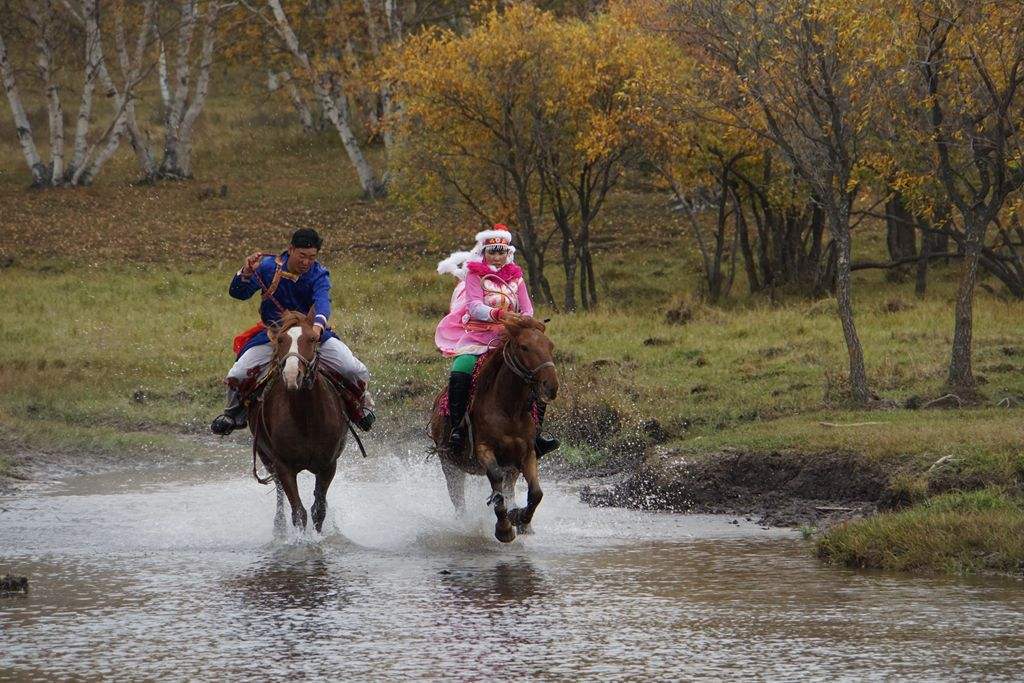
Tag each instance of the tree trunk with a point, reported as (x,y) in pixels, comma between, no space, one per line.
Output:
(130,71)
(170,165)
(899,229)
(899,236)
(568,265)
(90,16)
(744,238)
(588,265)
(165,84)
(921,283)
(961,375)
(372,187)
(840,220)
(195,107)
(532,253)
(42,14)
(21,123)
(301,108)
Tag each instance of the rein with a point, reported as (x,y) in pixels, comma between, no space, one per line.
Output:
(312,371)
(529,377)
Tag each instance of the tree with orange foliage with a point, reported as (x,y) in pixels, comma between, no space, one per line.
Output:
(528,114)
(807,77)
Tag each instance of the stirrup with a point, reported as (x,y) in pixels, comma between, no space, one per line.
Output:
(366,421)
(545,444)
(224,424)
(457,440)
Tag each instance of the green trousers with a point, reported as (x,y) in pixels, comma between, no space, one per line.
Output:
(464,363)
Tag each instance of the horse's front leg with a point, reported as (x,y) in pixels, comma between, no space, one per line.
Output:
(503,530)
(279,519)
(286,477)
(323,482)
(522,517)
(456,481)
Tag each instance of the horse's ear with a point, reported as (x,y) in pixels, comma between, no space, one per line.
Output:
(546,320)
(311,315)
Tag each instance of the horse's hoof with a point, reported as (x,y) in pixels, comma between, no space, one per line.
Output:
(505,535)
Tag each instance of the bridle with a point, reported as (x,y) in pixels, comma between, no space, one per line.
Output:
(529,377)
(309,367)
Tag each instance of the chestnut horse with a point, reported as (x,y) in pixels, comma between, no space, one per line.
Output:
(299,423)
(520,371)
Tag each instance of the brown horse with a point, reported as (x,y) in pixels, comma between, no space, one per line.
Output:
(520,371)
(299,424)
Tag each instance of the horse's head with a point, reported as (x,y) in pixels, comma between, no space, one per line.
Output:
(530,354)
(295,348)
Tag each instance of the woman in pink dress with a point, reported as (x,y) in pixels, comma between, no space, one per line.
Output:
(491,289)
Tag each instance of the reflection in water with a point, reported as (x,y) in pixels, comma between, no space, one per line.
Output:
(296,577)
(493,586)
(180,578)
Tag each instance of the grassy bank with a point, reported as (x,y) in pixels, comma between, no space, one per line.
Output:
(143,347)
(116,328)
(979,531)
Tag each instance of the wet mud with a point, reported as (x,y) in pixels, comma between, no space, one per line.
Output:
(774,489)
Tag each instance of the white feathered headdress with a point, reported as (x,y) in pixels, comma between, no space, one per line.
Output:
(456,264)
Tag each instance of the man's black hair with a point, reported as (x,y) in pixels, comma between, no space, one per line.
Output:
(304,238)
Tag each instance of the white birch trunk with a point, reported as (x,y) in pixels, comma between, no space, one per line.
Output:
(130,72)
(301,108)
(92,55)
(367,179)
(392,108)
(179,94)
(21,124)
(113,137)
(195,108)
(42,16)
(165,87)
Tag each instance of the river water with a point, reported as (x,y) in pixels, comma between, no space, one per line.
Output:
(175,574)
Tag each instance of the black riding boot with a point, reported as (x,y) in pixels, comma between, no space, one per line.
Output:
(459,384)
(233,417)
(541,443)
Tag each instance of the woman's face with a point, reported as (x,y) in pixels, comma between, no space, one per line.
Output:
(495,257)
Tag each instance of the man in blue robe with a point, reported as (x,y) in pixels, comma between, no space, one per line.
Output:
(291,281)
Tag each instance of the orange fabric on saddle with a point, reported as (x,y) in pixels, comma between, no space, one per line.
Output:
(243,339)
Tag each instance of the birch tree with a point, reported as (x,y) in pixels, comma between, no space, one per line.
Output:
(315,44)
(54,46)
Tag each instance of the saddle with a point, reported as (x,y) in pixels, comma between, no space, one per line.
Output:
(441,401)
(350,395)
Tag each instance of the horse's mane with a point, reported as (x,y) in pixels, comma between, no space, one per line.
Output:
(288,320)
(492,365)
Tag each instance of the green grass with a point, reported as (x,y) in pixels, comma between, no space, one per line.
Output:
(958,533)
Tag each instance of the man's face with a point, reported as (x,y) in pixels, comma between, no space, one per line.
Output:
(301,258)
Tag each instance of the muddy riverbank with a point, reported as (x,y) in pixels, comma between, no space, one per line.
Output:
(773,489)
